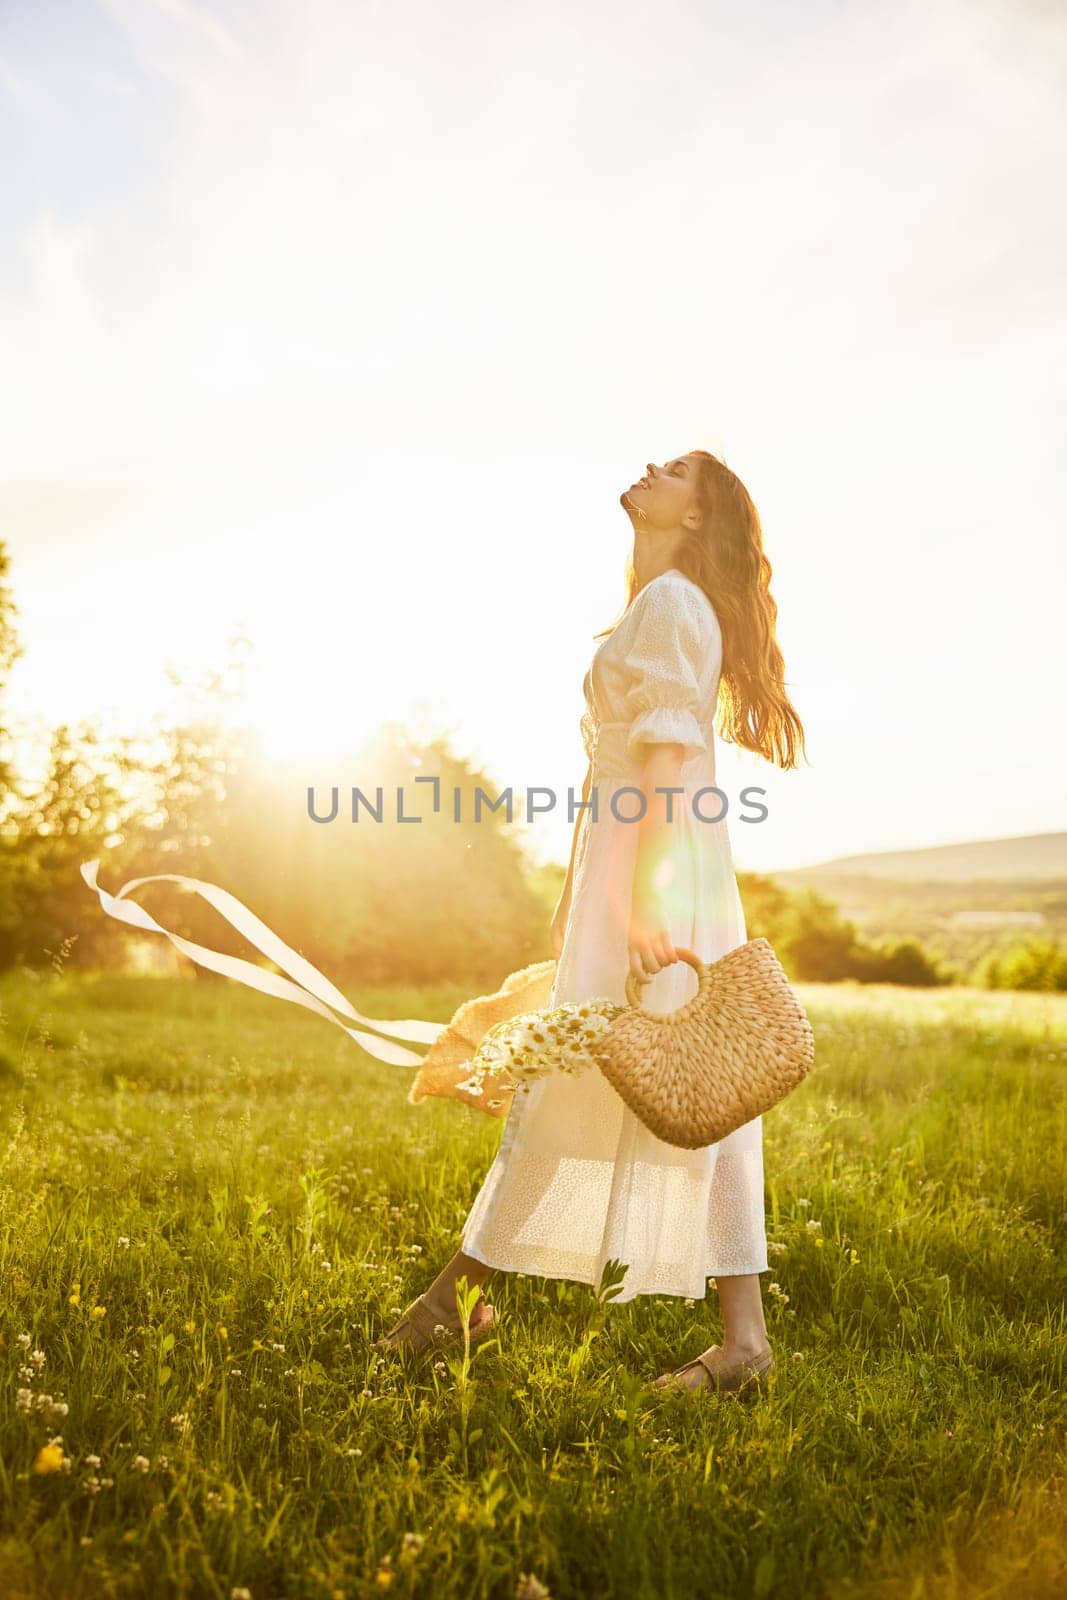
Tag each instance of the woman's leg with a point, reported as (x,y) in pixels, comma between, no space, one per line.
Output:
(744,1330)
(744,1337)
(441,1295)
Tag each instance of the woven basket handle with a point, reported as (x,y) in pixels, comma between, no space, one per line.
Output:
(635,982)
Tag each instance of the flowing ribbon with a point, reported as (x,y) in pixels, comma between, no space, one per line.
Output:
(310,990)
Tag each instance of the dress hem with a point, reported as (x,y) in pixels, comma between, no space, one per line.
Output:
(619,1299)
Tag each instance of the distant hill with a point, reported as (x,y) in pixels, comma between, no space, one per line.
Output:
(961,901)
(1032,858)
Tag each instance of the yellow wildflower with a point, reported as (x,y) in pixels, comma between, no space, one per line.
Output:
(49,1458)
(98,1311)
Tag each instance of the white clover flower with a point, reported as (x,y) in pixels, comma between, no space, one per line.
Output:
(140,1463)
(24,1341)
(123,1242)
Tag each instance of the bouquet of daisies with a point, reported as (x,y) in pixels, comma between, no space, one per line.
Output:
(515,1052)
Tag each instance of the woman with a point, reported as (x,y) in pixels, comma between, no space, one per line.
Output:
(578,1180)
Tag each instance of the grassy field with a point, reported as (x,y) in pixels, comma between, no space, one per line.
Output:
(213,1202)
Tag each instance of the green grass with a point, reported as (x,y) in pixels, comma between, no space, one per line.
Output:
(912,1446)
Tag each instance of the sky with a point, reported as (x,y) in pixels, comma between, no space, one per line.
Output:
(343,326)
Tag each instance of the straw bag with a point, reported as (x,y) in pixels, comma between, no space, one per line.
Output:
(734,1050)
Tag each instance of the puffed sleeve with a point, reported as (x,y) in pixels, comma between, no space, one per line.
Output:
(672,660)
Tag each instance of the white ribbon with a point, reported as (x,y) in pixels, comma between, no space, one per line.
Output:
(310,984)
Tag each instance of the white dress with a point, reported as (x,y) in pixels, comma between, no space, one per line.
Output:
(578,1179)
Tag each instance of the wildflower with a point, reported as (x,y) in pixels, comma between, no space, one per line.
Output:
(240,1593)
(813,1223)
(123,1242)
(38,1358)
(24,1400)
(97,1312)
(92,1461)
(530,1588)
(819,1244)
(803,1202)
(220,1329)
(190,1326)
(180,1420)
(141,1463)
(414,1542)
(212,1500)
(277,1347)
(853,1257)
(23,1341)
(49,1459)
(163,1462)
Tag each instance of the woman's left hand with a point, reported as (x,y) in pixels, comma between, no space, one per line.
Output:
(650,945)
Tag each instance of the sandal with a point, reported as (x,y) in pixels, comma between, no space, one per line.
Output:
(419,1329)
(751,1378)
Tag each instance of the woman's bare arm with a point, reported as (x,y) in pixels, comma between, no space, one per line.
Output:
(650,945)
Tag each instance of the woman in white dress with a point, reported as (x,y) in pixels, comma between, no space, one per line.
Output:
(578,1180)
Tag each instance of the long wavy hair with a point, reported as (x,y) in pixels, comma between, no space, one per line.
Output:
(725,557)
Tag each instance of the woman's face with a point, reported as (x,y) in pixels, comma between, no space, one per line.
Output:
(664,496)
